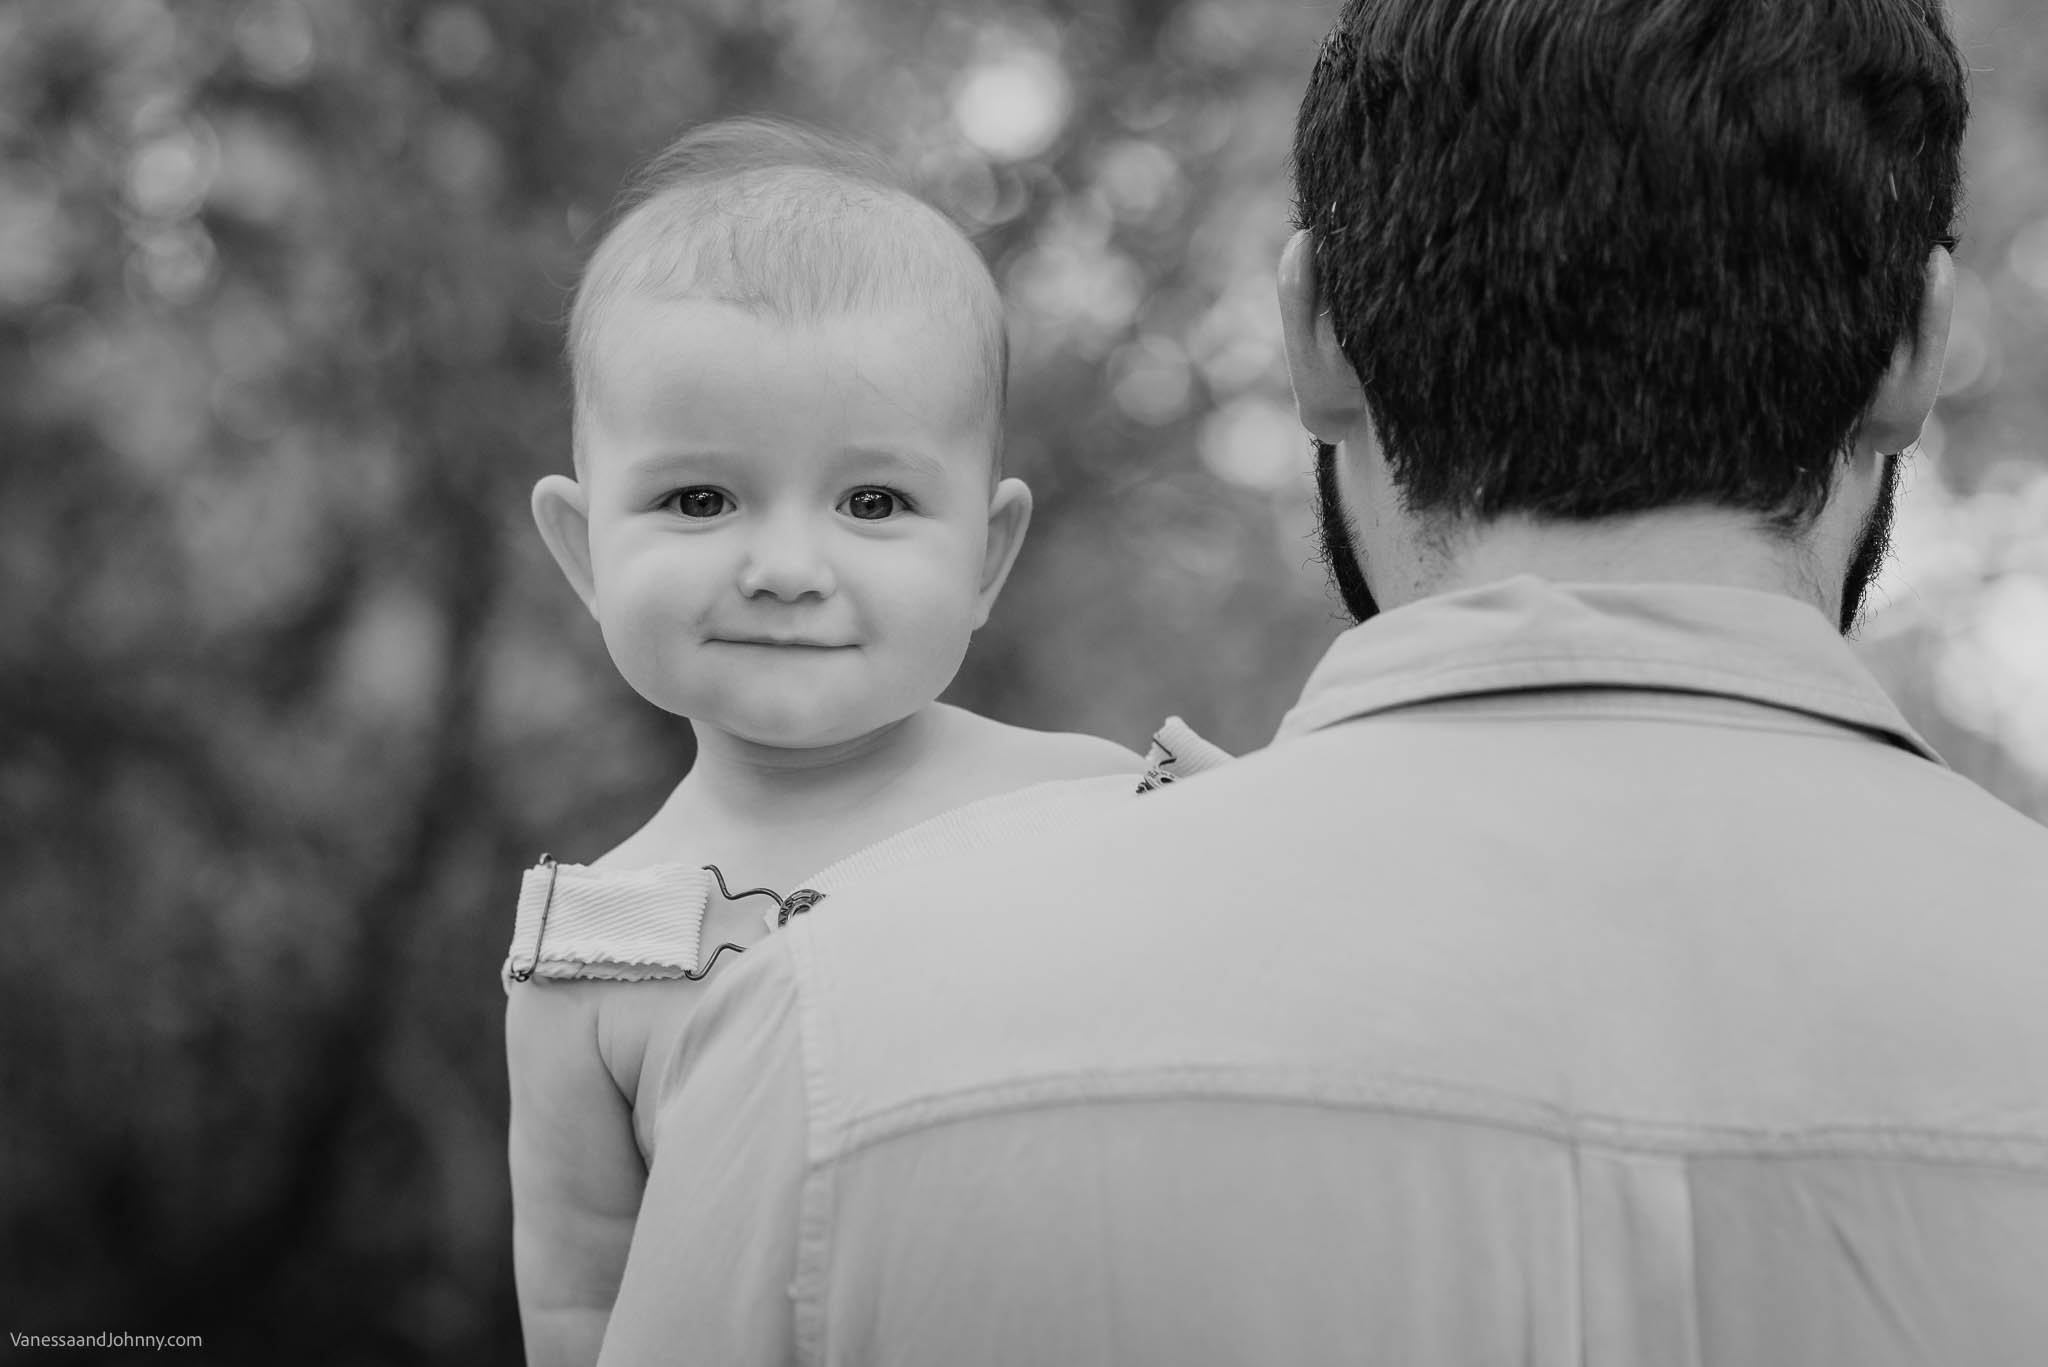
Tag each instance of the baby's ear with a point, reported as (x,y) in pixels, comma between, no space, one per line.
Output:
(1009,513)
(562,513)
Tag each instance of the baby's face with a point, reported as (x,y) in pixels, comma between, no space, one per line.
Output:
(788,522)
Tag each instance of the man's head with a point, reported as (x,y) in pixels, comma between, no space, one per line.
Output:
(787,516)
(1587,258)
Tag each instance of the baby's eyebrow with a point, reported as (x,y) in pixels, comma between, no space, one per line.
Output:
(910,461)
(670,462)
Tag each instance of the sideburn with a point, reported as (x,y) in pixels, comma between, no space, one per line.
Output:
(1339,540)
(1873,546)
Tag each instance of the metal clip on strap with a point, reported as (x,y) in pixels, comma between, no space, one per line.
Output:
(798,902)
(520,975)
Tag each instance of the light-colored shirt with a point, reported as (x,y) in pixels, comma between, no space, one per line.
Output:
(1586,975)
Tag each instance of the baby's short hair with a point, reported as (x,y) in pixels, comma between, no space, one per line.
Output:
(783,220)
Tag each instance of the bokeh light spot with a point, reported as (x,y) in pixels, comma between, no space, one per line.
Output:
(1152,381)
(2028,255)
(32,257)
(456,41)
(168,175)
(174,262)
(463,155)
(1994,672)
(1073,289)
(275,41)
(1139,178)
(1014,102)
(1255,442)
(1237,342)
(261,173)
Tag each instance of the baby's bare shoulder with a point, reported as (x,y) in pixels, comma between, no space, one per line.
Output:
(1028,756)
(563,1035)
(551,1027)
(1075,754)
(674,834)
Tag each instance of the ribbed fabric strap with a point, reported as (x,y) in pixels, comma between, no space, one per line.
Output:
(578,922)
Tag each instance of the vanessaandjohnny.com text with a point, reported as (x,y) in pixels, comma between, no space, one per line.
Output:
(104,1339)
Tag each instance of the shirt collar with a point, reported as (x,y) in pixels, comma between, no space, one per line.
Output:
(1528,633)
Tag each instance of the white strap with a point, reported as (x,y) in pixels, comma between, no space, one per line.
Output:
(577,922)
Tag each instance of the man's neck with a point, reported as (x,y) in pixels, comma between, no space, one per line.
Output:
(1710,546)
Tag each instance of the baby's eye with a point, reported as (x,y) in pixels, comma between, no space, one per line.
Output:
(698,503)
(873,505)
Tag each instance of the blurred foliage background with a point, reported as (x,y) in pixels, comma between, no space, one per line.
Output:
(289,693)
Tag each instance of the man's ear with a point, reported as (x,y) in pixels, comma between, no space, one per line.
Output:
(562,513)
(1326,389)
(1009,513)
(1912,381)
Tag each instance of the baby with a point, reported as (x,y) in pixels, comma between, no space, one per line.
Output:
(788,516)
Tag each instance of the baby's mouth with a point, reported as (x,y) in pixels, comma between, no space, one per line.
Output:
(783,642)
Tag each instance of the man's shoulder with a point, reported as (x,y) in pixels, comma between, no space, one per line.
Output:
(1301,897)
(1968,807)
(1044,862)
(1927,836)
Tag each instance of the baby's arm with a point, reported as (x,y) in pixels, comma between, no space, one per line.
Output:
(577,1174)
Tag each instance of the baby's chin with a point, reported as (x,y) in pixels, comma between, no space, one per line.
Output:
(800,727)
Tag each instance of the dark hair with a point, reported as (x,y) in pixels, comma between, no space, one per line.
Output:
(1592,257)
(790,222)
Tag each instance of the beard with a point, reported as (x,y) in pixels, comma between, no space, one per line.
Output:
(1339,540)
(1873,546)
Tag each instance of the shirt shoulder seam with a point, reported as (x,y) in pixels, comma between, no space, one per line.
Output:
(814,1206)
(1422,1098)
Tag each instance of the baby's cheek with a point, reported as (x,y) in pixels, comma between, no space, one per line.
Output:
(636,652)
(650,635)
(939,629)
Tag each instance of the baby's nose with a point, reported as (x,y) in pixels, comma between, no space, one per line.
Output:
(785,563)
